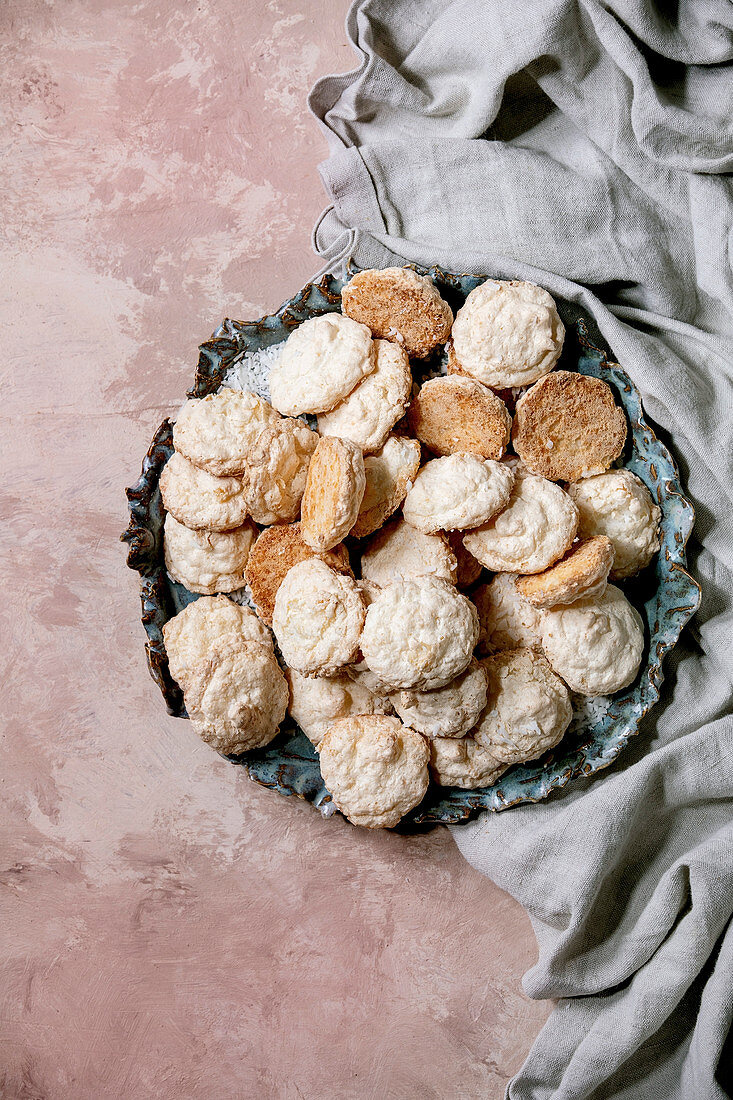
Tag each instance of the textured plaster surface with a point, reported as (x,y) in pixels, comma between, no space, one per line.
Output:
(170,929)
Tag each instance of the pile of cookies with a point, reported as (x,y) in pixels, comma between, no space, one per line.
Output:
(364,544)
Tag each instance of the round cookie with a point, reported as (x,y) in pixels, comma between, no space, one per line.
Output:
(237,698)
(401,551)
(218,432)
(469,569)
(398,304)
(190,635)
(596,645)
(448,712)
(324,358)
(453,415)
(568,426)
(581,574)
(199,500)
(507,620)
(534,530)
(389,474)
(457,492)
(507,333)
(277,469)
(462,762)
(317,701)
(618,504)
(371,410)
(375,769)
(419,633)
(207,561)
(318,618)
(528,707)
(334,490)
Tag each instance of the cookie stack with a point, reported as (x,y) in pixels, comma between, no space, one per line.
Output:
(364,545)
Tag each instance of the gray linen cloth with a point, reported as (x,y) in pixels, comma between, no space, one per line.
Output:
(585,146)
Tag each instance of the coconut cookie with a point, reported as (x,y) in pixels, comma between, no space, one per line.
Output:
(369,413)
(375,769)
(277,469)
(389,474)
(618,504)
(460,415)
(317,701)
(419,633)
(398,304)
(207,561)
(448,712)
(528,707)
(199,500)
(462,762)
(582,573)
(400,551)
(507,334)
(322,361)
(458,492)
(274,554)
(218,432)
(333,492)
(238,696)
(507,620)
(469,569)
(190,634)
(318,618)
(596,645)
(568,426)
(535,529)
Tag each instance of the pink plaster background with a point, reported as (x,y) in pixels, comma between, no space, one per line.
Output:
(170,929)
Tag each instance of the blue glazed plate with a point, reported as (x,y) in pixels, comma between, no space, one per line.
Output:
(665,593)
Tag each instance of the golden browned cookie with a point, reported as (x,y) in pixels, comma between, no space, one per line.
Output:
(469,569)
(274,553)
(567,426)
(580,574)
(389,475)
(457,414)
(333,492)
(398,304)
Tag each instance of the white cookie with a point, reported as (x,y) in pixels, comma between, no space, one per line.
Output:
(507,333)
(375,769)
(207,561)
(419,633)
(619,505)
(458,492)
(317,701)
(324,358)
(370,411)
(277,470)
(190,635)
(198,499)
(596,645)
(534,530)
(389,474)
(361,674)
(528,707)
(401,551)
(218,432)
(448,712)
(507,620)
(318,618)
(462,762)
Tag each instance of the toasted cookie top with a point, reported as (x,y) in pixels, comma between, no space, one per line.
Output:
(318,618)
(368,414)
(457,492)
(218,432)
(449,711)
(200,500)
(580,574)
(453,414)
(333,493)
(618,504)
(398,304)
(323,359)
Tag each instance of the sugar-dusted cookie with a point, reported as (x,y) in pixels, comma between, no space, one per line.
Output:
(507,333)
(398,304)
(618,504)
(419,633)
(400,550)
(448,712)
(453,414)
(457,492)
(324,358)
(534,530)
(318,618)
(462,762)
(274,554)
(389,474)
(375,769)
(207,561)
(333,492)
(469,569)
(596,645)
(191,633)
(370,411)
(317,701)
(198,499)
(218,432)
(277,470)
(507,620)
(567,426)
(528,707)
(582,573)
